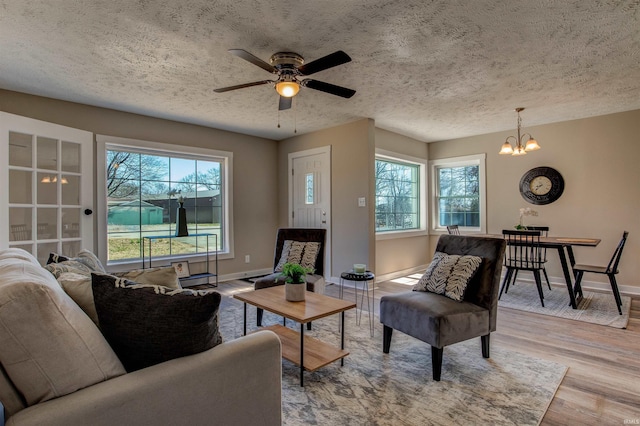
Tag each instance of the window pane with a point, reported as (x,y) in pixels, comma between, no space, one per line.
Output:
(458,196)
(143,198)
(397,201)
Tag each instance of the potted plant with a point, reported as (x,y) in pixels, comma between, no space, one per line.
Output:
(294,281)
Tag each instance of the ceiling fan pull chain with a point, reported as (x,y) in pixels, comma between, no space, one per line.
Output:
(278,119)
(295,120)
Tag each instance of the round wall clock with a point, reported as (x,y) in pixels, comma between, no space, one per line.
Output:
(541,185)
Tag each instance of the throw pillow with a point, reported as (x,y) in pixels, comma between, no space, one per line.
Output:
(85,257)
(449,275)
(78,287)
(163,275)
(284,256)
(149,324)
(304,254)
(74,266)
(310,255)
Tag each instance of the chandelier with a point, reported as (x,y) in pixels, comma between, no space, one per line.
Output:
(520,147)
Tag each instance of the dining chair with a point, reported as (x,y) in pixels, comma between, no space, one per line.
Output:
(610,271)
(544,232)
(453,230)
(523,253)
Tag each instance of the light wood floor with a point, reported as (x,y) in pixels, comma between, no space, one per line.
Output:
(602,385)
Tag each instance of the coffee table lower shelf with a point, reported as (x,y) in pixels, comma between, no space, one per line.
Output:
(317,354)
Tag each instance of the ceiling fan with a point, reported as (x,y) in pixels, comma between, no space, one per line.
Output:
(289,67)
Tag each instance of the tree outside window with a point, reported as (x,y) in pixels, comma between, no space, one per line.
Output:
(459,196)
(143,192)
(397,196)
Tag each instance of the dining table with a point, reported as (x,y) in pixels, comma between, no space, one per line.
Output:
(564,247)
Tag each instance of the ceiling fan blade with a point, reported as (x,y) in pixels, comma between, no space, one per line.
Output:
(253,59)
(285,103)
(242,86)
(332,60)
(328,88)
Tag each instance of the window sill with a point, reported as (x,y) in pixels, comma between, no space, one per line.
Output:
(392,235)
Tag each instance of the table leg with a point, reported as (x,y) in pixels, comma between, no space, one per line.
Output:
(244,323)
(342,337)
(577,290)
(572,260)
(567,277)
(302,354)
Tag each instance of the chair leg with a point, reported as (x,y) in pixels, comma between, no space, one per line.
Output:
(308,326)
(485,345)
(436,360)
(505,281)
(386,338)
(577,288)
(515,277)
(616,292)
(546,277)
(536,275)
(259,313)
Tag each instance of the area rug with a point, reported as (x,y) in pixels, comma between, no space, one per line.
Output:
(596,308)
(397,388)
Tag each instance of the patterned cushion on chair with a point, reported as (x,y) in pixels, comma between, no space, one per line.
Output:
(449,275)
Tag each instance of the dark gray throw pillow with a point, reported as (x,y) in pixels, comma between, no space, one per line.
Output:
(149,324)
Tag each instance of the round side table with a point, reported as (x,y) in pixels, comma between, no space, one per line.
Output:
(364,278)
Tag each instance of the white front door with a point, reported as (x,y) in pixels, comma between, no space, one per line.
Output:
(47,200)
(310,193)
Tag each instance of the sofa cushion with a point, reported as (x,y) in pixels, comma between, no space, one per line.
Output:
(149,324)
(65,266)
(449,275)
(49,346)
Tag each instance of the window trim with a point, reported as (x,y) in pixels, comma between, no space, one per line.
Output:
(422,181)
(184,151)
(467,160)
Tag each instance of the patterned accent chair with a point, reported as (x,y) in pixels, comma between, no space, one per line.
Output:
(441,321)
(315,281)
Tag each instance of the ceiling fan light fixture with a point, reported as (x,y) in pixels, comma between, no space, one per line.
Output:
(288,89)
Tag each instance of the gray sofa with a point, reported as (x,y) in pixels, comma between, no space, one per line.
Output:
(56,368)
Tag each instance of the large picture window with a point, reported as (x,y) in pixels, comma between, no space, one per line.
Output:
(144,188)
(459,192)
(400,204)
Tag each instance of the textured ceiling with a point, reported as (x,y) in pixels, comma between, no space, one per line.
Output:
(433,70)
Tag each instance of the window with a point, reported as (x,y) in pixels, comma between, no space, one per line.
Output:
(400,187)
(144,186)
(458,190)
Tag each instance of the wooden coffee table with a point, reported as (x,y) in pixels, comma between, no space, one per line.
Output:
(307,352)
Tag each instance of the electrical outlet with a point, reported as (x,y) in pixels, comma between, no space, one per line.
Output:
(362,202)
(247,258)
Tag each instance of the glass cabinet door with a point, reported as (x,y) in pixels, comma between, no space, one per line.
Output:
(49,170)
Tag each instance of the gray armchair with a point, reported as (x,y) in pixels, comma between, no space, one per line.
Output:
(315,281)
(440,321)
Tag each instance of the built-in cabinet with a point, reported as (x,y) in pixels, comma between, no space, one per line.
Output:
(46,204)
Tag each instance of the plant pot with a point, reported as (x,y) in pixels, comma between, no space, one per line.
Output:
(295,292)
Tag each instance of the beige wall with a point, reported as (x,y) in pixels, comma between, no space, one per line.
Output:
(255,177)
(401,254)
(352,160)
(599,160)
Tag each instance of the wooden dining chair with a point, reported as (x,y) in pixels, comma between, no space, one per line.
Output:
(610,271)
(453,230)
(523,253)
(544,232)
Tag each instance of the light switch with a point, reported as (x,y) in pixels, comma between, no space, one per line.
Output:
(362,202)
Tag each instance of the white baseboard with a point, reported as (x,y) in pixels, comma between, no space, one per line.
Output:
(244,274)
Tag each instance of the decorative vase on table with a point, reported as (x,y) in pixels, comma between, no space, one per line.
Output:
(181,220)
(295,283)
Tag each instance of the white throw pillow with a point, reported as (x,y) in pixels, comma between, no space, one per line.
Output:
(449,275)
